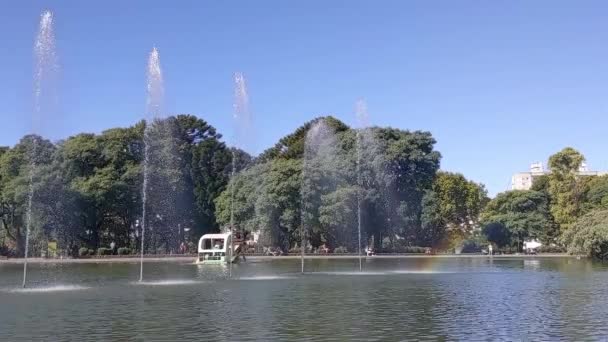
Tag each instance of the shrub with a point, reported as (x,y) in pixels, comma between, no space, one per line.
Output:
(192,248)
(3,250)
(404,249)
(161,251)
(340,250)
(400,246)
(413,249)
(91,252)
(83,251)
(387,245)
(470,246)
(124,251)
(552,249)
(295,250)
(104,251)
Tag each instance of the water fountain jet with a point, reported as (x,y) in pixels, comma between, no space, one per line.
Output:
(362,119)
(45,64)
(318,175)
(242,121)
(154,101)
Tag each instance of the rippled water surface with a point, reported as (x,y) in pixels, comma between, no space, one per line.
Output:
(392,300)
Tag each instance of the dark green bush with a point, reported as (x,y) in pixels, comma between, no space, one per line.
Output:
(551,249)
(91,252)
(83,251)
(399,246)
(471,246)
(403,249)
(124,251)
(295,250)
(104,251)
(340,250)
(413,249)
(4,251)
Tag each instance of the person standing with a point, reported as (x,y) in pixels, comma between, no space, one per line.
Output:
(112,246)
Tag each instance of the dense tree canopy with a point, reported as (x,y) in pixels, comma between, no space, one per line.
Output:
(451,208)
(589,235)
(15,175)
(314,181)
(309,189)
(515,216)
(596,193)
(88,188)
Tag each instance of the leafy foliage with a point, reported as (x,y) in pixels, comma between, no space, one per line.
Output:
(565,187)
(589,235)
(88,188)
(316,187)
(596,194)
(451,208)
(514,216)
(576,217)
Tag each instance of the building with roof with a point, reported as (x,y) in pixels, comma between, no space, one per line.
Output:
(524,180)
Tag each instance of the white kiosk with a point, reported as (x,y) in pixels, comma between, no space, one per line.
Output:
(532,246)
(215,249)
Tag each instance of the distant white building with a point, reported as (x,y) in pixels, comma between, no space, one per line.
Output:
(524,180)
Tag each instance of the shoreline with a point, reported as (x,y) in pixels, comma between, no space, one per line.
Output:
(191,258)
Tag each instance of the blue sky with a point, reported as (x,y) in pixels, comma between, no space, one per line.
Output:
(500,84)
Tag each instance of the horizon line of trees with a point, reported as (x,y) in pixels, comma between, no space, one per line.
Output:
(88,189)
(307,191)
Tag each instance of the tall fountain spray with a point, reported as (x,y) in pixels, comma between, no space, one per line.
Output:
(45,65)
(319,173)
(362,122)
(154,102)
(242,112)
(242,121)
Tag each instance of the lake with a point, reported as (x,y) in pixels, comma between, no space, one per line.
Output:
(394,299)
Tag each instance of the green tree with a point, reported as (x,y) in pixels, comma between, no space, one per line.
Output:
(541,183)
(266,200)
(211,168)
(523,213)
(88,188)
(15,170)
(564,187)
(451,208)
(338,216)
(103,173)
(596,194)
(589,235)
(279,206)
(292,145)
(498,233)
(397,169)
(409,168)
